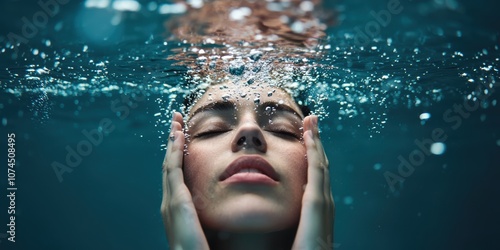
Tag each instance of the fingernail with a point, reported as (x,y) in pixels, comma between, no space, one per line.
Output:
(315,121)
(172,121)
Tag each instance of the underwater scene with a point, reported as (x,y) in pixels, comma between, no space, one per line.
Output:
(406,92)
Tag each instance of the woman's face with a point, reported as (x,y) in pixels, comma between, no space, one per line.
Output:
(246,162)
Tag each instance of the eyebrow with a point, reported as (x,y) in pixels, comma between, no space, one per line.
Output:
(230,105)
(280,107)
(217,106)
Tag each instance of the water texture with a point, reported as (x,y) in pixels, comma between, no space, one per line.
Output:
(407,94)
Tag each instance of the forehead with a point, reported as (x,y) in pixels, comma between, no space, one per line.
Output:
(244,95)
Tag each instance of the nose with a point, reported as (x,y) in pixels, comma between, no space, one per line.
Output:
(249,136)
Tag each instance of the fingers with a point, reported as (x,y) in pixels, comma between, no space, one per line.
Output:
(172,164)
(316,158)
(178,211)
(173,158)
(177,125)
(318,180)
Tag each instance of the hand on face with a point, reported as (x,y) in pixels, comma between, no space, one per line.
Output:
(317,212)
(318,209)
(227,126)
(177,208)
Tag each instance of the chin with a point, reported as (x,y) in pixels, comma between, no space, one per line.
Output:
(251,215)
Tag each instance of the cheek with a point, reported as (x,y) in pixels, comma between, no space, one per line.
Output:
(300,173)
(194,165)
(295,157)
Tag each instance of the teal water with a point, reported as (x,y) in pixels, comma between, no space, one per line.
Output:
(429,74)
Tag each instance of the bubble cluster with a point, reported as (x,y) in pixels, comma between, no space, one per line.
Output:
(336,77)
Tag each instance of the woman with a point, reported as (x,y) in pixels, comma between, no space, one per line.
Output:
(246,171)
(244,167)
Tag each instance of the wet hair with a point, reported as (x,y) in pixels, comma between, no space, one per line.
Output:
(300,99)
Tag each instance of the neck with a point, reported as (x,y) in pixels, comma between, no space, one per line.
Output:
(220,240)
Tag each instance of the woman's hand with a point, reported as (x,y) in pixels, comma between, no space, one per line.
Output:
(177,208)
(315,229)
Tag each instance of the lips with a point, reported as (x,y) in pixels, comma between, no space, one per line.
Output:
(249,164)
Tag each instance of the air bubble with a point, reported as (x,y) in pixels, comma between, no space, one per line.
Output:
(306,6)
(237,67)
(438,148)
(425,116)
(255,55)
(348,200)
(240,14)
(298,27)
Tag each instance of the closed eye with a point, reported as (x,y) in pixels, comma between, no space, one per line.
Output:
(210,133)
(284,133)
